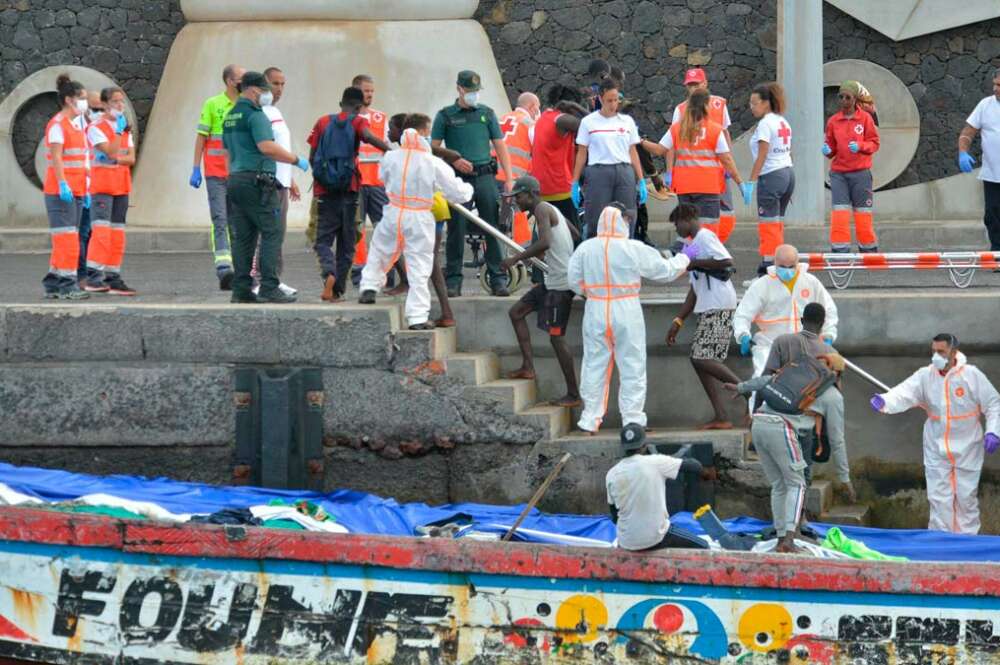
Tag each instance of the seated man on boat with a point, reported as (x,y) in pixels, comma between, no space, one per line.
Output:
(637,495)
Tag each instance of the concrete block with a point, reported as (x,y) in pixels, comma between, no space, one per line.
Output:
(819,497)
(556,420)
(178,240)
(514,395)
(24,241)
(214,334)
(335,337)
(857,515)
(441,342)
(103,404)
(67,333)
(473,368)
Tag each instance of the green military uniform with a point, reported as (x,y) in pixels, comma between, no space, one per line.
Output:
(251,199)
(470,131)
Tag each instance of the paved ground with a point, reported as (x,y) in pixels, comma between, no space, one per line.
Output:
(190,278)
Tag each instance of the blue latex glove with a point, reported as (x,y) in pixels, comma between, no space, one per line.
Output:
(642,191)
(195,180)
(120,124)
(303,164)
(965,162)
(853,146)
(877,403)
(667,178)
(747,189)
(86,201)
(690,251)
(102,158)
(827,150)
(574,193)
(65,193)
(991,442)
(745,345)
(828,341)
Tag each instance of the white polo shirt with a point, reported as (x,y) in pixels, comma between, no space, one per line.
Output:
(636,487)
(607,139)
(711,293)
(775,130)
(283,137)
(986,118)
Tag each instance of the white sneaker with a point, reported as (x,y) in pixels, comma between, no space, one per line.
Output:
(255,289)
(287,290)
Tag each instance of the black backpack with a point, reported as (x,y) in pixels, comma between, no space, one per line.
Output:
(797,385)
(334,159)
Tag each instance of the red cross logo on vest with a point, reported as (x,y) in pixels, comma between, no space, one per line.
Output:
(509,125)
(717,103)
(859,129)
(785,133)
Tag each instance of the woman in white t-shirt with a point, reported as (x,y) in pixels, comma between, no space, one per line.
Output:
(607,159)
(713,298)
(771,150)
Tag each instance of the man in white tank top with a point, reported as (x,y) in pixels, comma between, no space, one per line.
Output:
(553,298)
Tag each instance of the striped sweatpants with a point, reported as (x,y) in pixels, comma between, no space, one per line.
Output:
(781,457)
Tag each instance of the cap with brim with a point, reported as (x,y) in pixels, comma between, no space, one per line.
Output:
(526,183)
(469,80)
(254,80)
(633,437)
(694,75)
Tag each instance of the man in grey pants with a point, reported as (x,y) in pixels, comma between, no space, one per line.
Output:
(775,436)
(208,147)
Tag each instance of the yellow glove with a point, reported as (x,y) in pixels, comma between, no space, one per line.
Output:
(440,208)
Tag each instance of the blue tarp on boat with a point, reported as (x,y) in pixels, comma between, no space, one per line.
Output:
(366,513)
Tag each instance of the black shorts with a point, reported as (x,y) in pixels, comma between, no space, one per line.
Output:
(553,308)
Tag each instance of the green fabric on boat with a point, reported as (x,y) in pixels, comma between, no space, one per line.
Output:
(283,524)
(837,541)
(107,511)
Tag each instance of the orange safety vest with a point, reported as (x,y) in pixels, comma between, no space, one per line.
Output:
(369,156)
(74,157)
(716,113)
(716,109)
(697,169)
(516,127)
(113,179)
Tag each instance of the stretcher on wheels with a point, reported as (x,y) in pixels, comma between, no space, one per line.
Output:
(961,266)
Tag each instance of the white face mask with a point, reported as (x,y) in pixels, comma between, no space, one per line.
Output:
(93,115)
(115,113)
(471,98)
(426,141)
(939,362)
(82,106)
(266,99)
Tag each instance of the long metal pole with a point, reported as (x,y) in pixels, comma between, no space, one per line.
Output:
(866,376)
(497,234)
(538,496)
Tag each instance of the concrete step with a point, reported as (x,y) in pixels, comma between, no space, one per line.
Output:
(442,340)
(474,369)
(729,444)
(556,419)
(819,497)
(516,395)
(894,235)
(853,515)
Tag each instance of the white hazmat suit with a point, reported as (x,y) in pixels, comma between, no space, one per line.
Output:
(411,176)
(953,437)
(777,310)
(608,270)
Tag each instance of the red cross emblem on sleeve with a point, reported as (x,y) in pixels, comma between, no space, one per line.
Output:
(784,132)
(509,126)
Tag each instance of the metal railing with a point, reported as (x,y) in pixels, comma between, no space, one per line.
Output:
(961,266)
